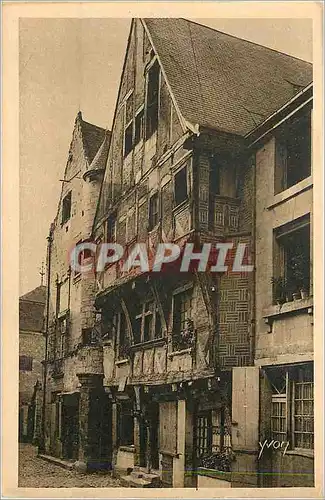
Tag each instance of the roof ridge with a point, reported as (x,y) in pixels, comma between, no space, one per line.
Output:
(245,40)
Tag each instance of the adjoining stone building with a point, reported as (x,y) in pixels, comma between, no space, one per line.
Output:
(31,355)
(158,374)
(71,294)
(284,344)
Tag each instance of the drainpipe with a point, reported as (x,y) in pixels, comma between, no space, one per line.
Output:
(253,248)
(41,448)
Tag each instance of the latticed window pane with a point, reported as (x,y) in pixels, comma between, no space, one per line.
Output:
(304,410)
(203,434)
(278,417)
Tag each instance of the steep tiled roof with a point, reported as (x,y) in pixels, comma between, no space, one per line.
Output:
(100,159)
(31,310)
(92,136)
(36,295)
(221,81)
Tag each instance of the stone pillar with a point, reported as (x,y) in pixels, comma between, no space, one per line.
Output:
(179,460)
(137,424)
(88,382)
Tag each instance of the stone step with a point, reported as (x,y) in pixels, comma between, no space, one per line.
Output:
(144,475)
(135,482)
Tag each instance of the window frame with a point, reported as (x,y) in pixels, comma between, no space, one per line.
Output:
(138,138)
(129,149)
(154,313)
(27,361)
(286,396)
(284,137)
(111,222)
(152,101)
(283,264)
(153,216)
(177,330)
(65,217)
(125,410)
(183,168)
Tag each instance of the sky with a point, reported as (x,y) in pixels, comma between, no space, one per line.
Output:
(67,65)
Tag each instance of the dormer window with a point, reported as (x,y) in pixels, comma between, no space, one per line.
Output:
(66,208)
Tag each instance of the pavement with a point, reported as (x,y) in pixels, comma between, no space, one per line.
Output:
(34,472)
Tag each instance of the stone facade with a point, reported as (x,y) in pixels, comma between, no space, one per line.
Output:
(71,300)
(31,355)
(283,314)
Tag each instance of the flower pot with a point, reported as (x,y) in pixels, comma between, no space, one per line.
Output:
(304,294)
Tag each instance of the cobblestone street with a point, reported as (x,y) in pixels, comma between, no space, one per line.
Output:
(35,472)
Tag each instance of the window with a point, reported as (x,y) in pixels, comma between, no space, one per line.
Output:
(138,127)
(279,417)
(293,152)
(214,184)
(214,189)
(292,257)
(182,324)
(123,338)
(63,335)
(126,424)
(212,433)
(90,336)
(108,325)
(128,139)
(152,100)
(25,363)
(66,208)
(292,413)
(304,409)
(204,434)
(147,322)
(111,229)
(180,185)
(153,211)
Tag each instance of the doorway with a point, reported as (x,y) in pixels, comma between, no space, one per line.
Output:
(149,431)
(70,426)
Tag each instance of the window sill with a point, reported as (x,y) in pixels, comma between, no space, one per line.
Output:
(181,206)
(121,362)
(148,344)
(289,308)
(154,228)
(301,452)
(180,352)
(128,448)
(291,192)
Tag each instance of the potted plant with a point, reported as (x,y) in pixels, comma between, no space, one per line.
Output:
(279,289)
(218,460)
(297,265)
